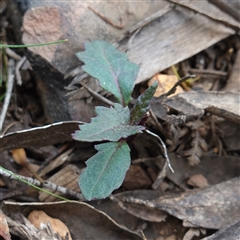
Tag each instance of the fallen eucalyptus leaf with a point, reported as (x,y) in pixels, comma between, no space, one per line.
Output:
(142,212)
(74,214)
(39,136)
(212,207)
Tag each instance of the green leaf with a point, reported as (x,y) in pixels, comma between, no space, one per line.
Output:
(111,67)
(105,171)
(142,105)
(110,124)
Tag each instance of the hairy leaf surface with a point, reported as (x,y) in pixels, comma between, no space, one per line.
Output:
(142,105)
(111,67)
(110,124)
(105,170)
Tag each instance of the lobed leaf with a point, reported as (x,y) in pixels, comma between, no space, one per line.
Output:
(142,105)
(105,170)
(111,67)
(110,124)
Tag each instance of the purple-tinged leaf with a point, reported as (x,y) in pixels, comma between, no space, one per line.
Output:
(105,171)
(111,67)
(110,124)
(142,105)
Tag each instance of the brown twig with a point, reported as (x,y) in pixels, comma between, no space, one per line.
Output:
(153,116)
(107,20)
(174,88)
(96,95)
(20,157)
(208,72)
(7,128)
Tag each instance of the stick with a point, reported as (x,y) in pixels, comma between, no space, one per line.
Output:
(96,95)
(17,70)
(7,98)
(37,184)
(174,88)
(167,163)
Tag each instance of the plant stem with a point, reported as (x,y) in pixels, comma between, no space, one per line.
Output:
(47,184)
(32,45)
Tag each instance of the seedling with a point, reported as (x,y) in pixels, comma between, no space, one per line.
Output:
(106,170)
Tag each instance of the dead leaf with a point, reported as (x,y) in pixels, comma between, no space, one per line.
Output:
(38,218)
(165,83)
(198,145)
(142,212)
(21,227)
(230,135)
(212,207)
(136,178)
(113,210)
(74,214)
(229,232)
(232,84)
(197,180)
(222,104)
(161,108)
(39,136)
